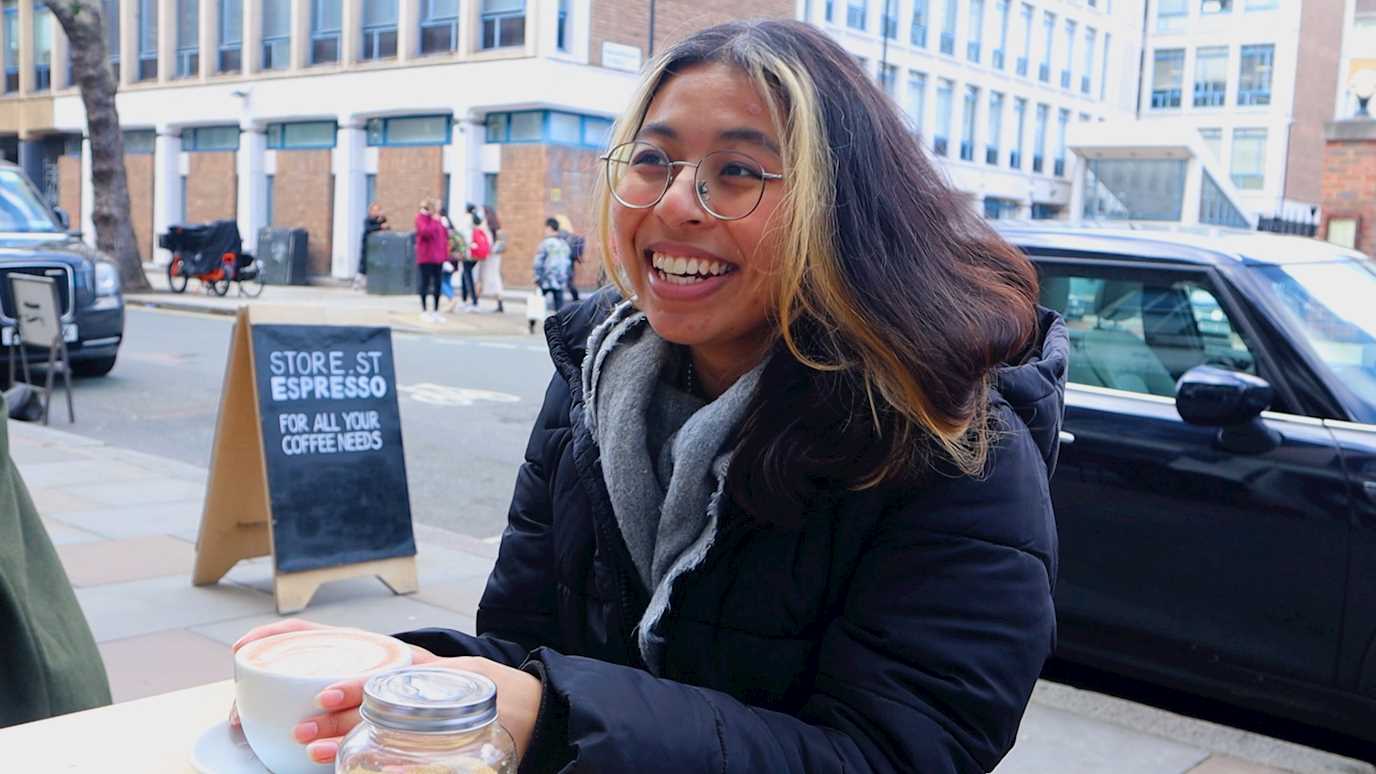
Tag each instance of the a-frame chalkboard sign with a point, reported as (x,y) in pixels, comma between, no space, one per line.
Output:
(307,462)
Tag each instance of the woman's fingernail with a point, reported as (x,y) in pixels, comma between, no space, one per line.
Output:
(234,718)
(330,698)
(305,732)
(322,752)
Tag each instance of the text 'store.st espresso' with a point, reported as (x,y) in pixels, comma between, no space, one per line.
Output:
(327,376)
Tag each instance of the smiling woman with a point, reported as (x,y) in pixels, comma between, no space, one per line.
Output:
(785,507)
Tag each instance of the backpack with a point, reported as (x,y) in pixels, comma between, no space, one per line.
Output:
(458,246)
(576,243)
(481,245)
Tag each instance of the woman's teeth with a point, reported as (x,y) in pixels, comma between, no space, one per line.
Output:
(687,271)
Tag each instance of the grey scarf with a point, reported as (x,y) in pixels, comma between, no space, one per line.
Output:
(664,454)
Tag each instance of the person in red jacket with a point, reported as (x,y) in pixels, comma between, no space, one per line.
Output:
(432,249)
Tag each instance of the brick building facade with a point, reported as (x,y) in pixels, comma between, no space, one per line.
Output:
(212,188)
(1349,184)
(303,197)
(138,172)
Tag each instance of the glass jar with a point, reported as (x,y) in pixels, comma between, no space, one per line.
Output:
(420,720)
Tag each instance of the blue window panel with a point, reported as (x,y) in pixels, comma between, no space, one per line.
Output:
(231,35)
(302,135)
(917,35)
(554,127)
(410,130)
(211,138)
(138,142)
(188,38)
(1254,82)
(325,31)
(503,23)
(11,46)
(439,26)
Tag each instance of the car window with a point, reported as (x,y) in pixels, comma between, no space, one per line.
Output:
(1141,334)
(20,208)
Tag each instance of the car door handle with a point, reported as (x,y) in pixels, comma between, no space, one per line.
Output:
(1067,438)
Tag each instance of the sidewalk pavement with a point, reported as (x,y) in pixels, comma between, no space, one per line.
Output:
(125,526)
(401,312)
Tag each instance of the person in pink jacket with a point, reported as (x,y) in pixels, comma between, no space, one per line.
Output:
(432,250)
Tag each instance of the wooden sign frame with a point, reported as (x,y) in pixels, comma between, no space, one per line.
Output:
(236,522)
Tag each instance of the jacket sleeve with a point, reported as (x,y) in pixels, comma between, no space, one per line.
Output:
(538,268)
(517,610)
(928,668)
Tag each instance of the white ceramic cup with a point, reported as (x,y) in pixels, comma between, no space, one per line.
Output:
(276,680)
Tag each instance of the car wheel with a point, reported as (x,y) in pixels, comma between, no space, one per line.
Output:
(96,367)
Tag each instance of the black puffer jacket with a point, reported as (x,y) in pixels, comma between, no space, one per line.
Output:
(898,631)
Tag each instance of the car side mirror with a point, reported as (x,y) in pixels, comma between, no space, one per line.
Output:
(63,219)
(1232,401)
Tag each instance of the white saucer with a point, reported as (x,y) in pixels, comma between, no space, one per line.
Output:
(224,750)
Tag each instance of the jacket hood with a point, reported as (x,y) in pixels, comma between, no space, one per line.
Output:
(1035,388)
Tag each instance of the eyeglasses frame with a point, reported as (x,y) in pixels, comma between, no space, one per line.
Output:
(765,176)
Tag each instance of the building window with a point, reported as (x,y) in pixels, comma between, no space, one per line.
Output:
(1134,189)
(1062,121)
(995,208)
(139,142)
(1020,124)
(504,23)
(1213,141)
(1172,16)
(302,135)
(269,199)
(1211,77)
(1103,68)
(1249,159)
(889,23)
(948,29)
(188,38)
(967,124)
(439,26)
(1090,36)
(1210,7)
(410,130)
(1261,5)
(109,12)
(1049,29)
(991,147)
(11,46)
(831,11)
(548,126)
(917,99)
(1039,137)
(1069,53)
(43,48)
(231,35)
(1001,9)
(325,31)
(490,189)
(1215,207)
(276,34)
(148,40)
(1254,81)
(370,188)
(1168,72)
(975,35)
(855,14)
(888,78)
(181,190)
(918,34)
(945,91)
(1045,211)
(210,138)
(379,30)
(1025,25)
(562,33)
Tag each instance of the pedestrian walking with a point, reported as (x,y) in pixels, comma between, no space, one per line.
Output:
(785,506)
(450,265)
(432,247)
(553,265)
(490,270)
(375,221)
(479,249)
(576,247)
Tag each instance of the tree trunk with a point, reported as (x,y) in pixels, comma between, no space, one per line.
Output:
(81,21)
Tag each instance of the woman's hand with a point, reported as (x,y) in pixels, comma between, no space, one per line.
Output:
(340,701)
(518,704)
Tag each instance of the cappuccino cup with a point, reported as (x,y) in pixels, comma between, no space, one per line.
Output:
(276,680)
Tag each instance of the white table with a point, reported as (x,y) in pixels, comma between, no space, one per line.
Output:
(148,736)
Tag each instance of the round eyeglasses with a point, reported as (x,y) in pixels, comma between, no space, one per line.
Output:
(729,184)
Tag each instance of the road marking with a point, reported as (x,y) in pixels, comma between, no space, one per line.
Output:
(495,345)
(443,395)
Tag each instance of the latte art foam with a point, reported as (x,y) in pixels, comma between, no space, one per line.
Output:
(324,653)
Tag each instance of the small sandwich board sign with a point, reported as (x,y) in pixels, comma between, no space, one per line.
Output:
(307,462)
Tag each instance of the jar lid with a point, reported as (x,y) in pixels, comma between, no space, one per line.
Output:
(429,701)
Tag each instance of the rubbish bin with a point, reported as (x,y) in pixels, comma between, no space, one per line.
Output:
(283,255)
(391,259)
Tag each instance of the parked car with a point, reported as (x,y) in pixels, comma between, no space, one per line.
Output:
(34,239)
(1216,489)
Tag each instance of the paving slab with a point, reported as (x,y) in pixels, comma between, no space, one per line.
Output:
(76,472)
(461,596)
(164,661)
(54,500)
(385,615)
(61,534)
(1054,740)
(123,610)
(121,561)
(139,493)
(1223,764)
(179,519)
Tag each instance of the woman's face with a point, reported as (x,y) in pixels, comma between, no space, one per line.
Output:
(723,303)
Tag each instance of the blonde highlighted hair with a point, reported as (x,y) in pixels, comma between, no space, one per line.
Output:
(892,300)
